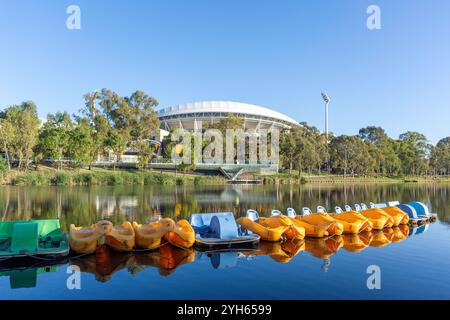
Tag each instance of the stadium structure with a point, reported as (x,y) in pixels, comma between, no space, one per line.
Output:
(191,116)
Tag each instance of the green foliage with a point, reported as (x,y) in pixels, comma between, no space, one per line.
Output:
(62,179)
(19,129)
(4,168)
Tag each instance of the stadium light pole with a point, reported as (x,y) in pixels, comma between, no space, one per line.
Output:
(326,99)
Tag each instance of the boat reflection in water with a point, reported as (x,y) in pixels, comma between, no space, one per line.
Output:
(167,258)
(281,252)
(324,248)
(105,262)
(24,273)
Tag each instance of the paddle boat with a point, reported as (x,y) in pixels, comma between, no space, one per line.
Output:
(219,230)
(352,221)
(320,219)
(181,234)
(294,231)
(32,238)
(148,236)
(418,212)
(399,216)
(377,217)
(121,238)
(251,224)
(85,240)
(311,230)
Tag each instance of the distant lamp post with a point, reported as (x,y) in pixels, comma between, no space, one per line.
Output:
(326,99)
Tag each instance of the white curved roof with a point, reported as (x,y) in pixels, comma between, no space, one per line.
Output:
(224,106)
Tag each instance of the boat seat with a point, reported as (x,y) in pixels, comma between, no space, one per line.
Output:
(291,212)
(25,237)
(223,227)
(275,212)
(252,215)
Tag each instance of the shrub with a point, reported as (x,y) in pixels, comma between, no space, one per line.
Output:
(62,179)
(3,166)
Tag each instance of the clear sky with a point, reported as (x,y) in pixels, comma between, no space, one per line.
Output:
(278,54)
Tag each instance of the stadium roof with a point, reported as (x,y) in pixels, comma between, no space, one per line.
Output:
(217,109)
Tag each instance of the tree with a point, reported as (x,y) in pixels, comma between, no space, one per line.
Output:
(54,137)
(117,141)
(98,123)
(81,143)
(22,128)
(381,149)
(288,149)
(349,154)
(6,137)
(413,150)
(440,157)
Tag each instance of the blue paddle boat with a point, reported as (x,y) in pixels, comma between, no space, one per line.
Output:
(417,211)
(219,230)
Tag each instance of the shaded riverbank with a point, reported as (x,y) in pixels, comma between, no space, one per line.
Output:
(46,176)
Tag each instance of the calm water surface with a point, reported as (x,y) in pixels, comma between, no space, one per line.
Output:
(414,263)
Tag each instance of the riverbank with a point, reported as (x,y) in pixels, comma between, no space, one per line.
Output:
(101,177)
(47,176)
(281,179)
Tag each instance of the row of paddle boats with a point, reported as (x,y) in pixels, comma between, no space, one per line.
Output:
(44,237)
(222,230)
(166,259)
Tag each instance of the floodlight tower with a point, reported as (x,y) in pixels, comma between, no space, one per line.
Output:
(326,99)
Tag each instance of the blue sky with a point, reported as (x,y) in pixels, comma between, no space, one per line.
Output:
(278,54)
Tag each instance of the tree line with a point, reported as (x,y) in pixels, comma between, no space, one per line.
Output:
(107,121)
(110,122)
(370,152)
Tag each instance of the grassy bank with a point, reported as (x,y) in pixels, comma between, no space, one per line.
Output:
(99,177)
(45,176)
(331,179)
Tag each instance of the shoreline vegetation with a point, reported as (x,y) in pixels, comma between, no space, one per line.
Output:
(47,176)
(114,129)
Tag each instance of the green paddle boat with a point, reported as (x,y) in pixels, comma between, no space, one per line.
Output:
(32,238)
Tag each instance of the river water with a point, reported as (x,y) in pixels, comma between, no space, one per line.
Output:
(414,264)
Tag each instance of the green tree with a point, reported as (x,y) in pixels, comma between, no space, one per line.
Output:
(81,143)
(381,149)
(350,155)
(413,151)
(22,126)
(98,123)
(6,138)
(440,157)
(54,137)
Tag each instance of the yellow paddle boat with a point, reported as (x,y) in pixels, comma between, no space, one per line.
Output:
(377,217)
(399,216)
(321,220)
(86,239)
(277,219)
(121,238)
(352,221)
(264,231)
(314,230)
(181,234)
(148,236)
